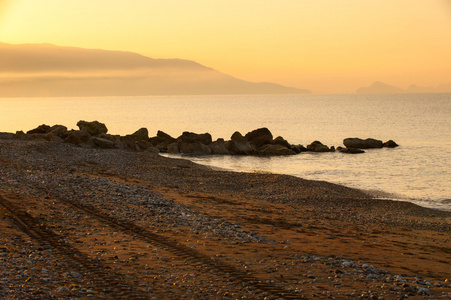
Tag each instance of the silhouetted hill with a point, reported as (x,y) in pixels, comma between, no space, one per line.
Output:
(382,88)
(49,70)
(379,88)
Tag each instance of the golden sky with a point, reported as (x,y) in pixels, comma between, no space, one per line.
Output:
(327,46)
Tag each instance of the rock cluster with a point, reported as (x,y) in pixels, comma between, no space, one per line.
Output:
(257,142)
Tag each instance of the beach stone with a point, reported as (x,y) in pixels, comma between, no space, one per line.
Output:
(259,137)
(275,150)
(218,147)
(77,137)
(362,144)
(93,128)
(103,143)
(317,146)
(140,134)
(390,144)
(191,137)
(423,291)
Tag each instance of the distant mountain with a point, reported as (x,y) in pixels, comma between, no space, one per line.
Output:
(31,70)
(379,88)
(383,88)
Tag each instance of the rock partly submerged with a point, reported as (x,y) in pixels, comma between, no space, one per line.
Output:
(259,142)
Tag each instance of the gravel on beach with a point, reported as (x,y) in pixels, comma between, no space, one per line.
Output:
(81,222)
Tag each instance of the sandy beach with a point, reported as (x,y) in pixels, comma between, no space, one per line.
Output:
(117,224)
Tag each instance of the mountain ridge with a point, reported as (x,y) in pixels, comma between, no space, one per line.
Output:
(49,70)
(379,87)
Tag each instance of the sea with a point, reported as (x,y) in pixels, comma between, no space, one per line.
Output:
(418,171)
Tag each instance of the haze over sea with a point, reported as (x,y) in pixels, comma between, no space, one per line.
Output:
(418,171)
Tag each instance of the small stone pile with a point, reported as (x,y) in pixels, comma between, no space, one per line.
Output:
(258,142)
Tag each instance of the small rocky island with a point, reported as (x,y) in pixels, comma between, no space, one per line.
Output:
(259,142)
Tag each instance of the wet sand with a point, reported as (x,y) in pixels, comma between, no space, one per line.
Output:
(78,223)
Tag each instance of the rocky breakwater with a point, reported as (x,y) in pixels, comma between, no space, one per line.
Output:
(259,142)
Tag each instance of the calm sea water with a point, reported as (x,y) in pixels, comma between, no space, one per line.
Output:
(418,171)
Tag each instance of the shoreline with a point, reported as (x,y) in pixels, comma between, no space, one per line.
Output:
(375,194)
(168,228)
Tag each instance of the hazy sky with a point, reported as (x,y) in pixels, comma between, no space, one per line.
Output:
(323,45)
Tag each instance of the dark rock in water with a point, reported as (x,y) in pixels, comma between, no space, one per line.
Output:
(317,146)
(362,144)
(281,141)
(190,137)
(77,137)
(259,137)
(218,147)
(298,148)
(390,144)
(197,148)
(274,150)
(103,143)
(40,129)
(93,128)
(237,136)
(140,134)
(350,150)
(239,145)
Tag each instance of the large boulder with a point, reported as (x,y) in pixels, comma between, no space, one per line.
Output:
(164,136)
(317,146)
(238,144)
(78,137)
(274,150)
(93,128)
(362,144)
(102,142)
(259,137)
(55,130)
(141,134)
(162,141)
(218,147)
(128,142)
(196,148)
(281,141)
(191,137)
(390,144)
(144,145)
(173,148)
(41,129)
(58,130)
